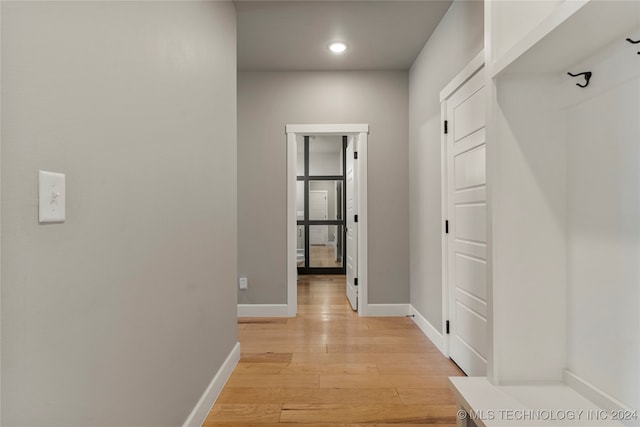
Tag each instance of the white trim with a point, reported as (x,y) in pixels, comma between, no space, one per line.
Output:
(491,159)
(444,213)
(467,72)
(208,398)
(593,393)
(0,235)
(363,221)
(316,129)
(292,220)
(427,328)
(563,12)
(384,310)
(263,310)
(297,131)
(477,394)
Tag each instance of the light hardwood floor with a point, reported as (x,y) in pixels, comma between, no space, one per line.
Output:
(322,256)
(329,367)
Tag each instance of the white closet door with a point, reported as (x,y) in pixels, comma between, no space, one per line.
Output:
(467,239)
(352,226)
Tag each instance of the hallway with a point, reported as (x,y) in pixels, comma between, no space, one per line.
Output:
(330,367)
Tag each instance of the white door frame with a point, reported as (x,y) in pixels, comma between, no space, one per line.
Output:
(467,72)
(295,133)
(0,253)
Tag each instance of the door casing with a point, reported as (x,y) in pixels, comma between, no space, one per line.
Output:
(297,132)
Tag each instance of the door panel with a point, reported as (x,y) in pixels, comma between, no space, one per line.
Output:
(467,238)
(470,168)
(352,229)
(469,115)
(471,222)
(473,303)
(471,274)
(471,342)
(472,328)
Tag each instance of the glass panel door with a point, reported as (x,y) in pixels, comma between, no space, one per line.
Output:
(320,204)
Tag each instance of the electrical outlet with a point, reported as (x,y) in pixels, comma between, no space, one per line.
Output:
(244,283)
(51,197)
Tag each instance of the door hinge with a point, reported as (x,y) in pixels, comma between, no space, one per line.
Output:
(447,327)
(355,155)
(446,126)
(446,226)
(355,282)
(355,218)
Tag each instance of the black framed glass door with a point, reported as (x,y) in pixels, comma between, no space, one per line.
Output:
(320,205)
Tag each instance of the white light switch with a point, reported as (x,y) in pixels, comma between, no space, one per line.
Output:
(244,283)
(51,197)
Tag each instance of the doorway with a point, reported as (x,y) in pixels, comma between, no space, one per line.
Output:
(465,226)
(299,228)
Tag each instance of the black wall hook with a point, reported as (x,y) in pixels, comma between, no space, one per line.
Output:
(633,42)
(587,76)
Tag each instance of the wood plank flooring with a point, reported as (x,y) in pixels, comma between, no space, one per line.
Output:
(321,256)
(327,367)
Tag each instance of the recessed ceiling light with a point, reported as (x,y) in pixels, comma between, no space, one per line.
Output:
(337,47)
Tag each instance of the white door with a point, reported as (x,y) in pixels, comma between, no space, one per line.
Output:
(352,226)
(466,214)
(318,207)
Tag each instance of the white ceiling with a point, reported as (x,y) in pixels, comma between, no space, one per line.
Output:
(293,35)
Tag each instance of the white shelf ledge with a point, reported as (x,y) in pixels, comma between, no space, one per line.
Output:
(528,405)
(575,30)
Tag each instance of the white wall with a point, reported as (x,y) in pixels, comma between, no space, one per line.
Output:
(267,101)
(603,225)
(527,175)
(513,20)
(564,177)
(458,38)
(122,315)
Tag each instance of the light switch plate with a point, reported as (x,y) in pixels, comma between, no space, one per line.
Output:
(52,197)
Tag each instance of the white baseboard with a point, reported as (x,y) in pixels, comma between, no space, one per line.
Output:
(594,394)
(428,329)
(263,310)
(204,405)
(387,310)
